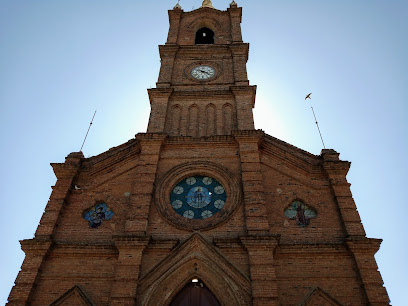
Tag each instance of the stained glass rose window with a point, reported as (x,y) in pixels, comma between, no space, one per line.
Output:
(198,197)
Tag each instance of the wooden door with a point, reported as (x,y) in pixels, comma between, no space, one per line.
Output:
(195,294)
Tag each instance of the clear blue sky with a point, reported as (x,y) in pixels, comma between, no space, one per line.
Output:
(61,60)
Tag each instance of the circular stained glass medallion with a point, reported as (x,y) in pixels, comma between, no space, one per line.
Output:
(198,197)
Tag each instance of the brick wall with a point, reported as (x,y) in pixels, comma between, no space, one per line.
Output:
(249,253)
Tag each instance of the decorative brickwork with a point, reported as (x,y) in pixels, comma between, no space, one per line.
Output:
(257,247)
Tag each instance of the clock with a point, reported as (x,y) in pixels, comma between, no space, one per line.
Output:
(203,72)
(198,197)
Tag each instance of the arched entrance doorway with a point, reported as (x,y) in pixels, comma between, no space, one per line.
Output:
(195,293)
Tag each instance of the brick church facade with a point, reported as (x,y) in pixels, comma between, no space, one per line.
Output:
(202,209)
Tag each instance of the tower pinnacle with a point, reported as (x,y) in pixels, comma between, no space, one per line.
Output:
(177,6)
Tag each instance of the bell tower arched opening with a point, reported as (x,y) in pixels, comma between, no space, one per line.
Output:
(195,293)
(204,36)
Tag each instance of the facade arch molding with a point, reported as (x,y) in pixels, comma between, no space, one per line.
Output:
(204,22)
(195,258)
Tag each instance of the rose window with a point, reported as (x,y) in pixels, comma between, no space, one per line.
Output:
(198,197)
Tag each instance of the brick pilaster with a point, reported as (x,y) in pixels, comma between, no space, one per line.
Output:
(261,251)
(35,250)
(337,170)
(127,269)
(167,56)
(65,173)
(245,102)
(142,192)
(235,19)
(159,98)
(363,250)
(254,197)
(240,57)
(174,20)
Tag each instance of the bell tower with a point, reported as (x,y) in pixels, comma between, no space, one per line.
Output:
(202,209)
(203,88)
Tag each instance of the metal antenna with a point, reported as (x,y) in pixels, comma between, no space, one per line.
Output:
(314,115)
(324,147)
(88,130)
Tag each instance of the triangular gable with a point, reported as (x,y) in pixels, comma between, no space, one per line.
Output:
(195,258)
(278,156)
(318,297)
(276,145)
(74,296)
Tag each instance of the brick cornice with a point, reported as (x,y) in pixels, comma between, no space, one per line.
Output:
(189,141)
(337,167)
(332,163)
(214,49)
(240,49)
(70,167)
(131,241)
(79,248)
(160,243)
(36,245)
(151,136)
(159,93)
(312,248)
(168,50)
(363,245)
(248,135)
(245,91)
(250,89)
(264,239)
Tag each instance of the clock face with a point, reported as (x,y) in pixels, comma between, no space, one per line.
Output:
(198,197)
(203,72)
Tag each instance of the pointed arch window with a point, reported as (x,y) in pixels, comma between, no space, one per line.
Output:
(204,36)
